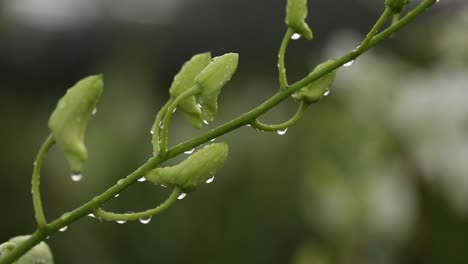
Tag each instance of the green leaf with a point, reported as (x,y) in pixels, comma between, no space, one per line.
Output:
(193,171)
(183,81)
(69,120)
(296,12)
(40,253)
(315,90)
(212,79)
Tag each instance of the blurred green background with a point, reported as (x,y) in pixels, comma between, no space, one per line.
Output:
(377,172)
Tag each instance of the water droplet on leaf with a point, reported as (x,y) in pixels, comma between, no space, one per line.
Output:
(326,93)
(63,229)
(121,222)
(182,196)
(142,179)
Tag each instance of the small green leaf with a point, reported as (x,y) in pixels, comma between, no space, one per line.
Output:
(40,253)
(193,171)
(396,5)
(69,120)
(212,79)
(315,90)
(296,12)
(183,81)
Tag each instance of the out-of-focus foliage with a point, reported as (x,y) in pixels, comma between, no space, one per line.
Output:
(374,173)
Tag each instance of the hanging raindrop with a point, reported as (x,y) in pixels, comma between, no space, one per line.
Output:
(190,151)
(142,179)
(282,132)
(63,229)
(210,180)
(145,220)
(349,63)
(326,93)
(295,36)
(182,196)
(76,177)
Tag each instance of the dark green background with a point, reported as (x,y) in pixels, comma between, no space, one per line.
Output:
(374,173)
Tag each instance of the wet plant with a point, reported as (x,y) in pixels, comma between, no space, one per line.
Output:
(194,92)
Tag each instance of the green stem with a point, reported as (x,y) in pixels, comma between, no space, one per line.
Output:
(36,181)
(167,119)
(157,125)
(265,127)
(380,22)
(282,53)
(244,119)
(109,216)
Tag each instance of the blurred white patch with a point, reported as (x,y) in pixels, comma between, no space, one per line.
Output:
(72,13)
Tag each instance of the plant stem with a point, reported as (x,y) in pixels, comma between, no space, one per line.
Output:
(282,53)
(167,118)
(157,125)
(265,127)
(383,18)
(242,120)
(109,216)
(36,181)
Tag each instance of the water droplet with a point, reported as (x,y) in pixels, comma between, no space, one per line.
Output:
(121,222)
(151,131)
(94,111)
(199,105)
(175,109)
(117,195)
(248,125)
(91,215)
(34,164)
(164,186)
(182,196)
(210,180)
(349,63)
(295,36)
(76,177)
(205,122)
(212,140)
(142,179)
(282,132)
(437,1)
(145,220)
(63,229)
(326,93)
(190,151)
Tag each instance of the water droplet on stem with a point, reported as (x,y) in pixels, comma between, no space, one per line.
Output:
(295,36)
(76,177)
(142,179)
(181,196)
(63,229)
(349,63)
(210,180)
(145,220)
(190,151)
(282,132)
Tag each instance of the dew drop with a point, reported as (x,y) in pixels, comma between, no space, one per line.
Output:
(205,122)
(76,177)
(175,109)
(295,36)
(212,140)
(326,93)
(349,63)
(151,131)
(117,195)
(190,151)
(164,186)
(94,111)
(91,215)
(121,222)
(182,196)
(210,180)
(248,125)
(142,179)
(282,132)
(199,105)
(145,220)
(63,229)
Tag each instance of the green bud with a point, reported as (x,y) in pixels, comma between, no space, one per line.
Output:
(183,81)
(212,79)
(315,90)
(296,12)
(396,5)
(69,120)
(40,253)
(193,171)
